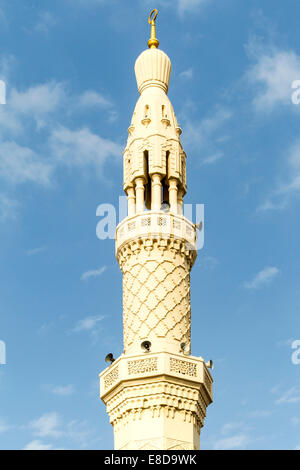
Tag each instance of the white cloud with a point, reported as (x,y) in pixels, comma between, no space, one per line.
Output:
(81,433)
(82,148)
(46,20)
(21,164)
(88,323)
(269,205)
(44,106)
(93,273)
(8,207)
(38,445)
(35,251)
(187,74)
(52,425)
(63,390)
(212,159)
(91,98)
(265,276)
(272,75)
(189,5)
(33,105)
(182,6)
(239,441)
(38,100)
(48,425)
(290,396)
(3,426)
(229,427)
(278,199)
(203,135)
(209,262)
(294,165)
(7,63)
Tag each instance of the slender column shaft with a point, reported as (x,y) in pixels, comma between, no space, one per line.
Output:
(131,201)
(156,192)
(173,195)
(139,191)
(180,201)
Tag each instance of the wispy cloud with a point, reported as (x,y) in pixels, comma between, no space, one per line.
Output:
(42,108)
(260,413)
(35,251)
(91,99)
(48,425)
(265,276)
(271,75)
(187,74)
(209,262)
(279,198)
(82,148)
(21,165)
(38,445)
(45,21)
(61,390)
(185,6)
(38,101)
(88,323)
(3,426)
(8,207)
(295,420)
(292,395)
(212,159)
(52,425)
(92,273)
(238,441)
(207,135)
(229,427)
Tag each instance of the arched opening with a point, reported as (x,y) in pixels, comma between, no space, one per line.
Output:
(165,186)
(148,182)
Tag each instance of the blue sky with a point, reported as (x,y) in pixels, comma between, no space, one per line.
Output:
(68,68)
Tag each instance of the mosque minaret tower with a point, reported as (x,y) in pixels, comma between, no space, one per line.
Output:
(156,392)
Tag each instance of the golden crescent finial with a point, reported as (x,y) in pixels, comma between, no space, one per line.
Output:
(153,42)
(152,20)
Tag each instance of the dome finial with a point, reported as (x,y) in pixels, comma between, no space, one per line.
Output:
(153,42)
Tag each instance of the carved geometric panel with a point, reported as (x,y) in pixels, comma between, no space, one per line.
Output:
(142,366)
(183,367)
(156,297)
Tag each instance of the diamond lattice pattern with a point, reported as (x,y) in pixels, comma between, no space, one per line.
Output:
(156,297)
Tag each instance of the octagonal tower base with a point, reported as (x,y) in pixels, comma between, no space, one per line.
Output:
(156,400)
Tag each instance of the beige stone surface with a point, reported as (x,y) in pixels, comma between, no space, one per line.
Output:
(156,399)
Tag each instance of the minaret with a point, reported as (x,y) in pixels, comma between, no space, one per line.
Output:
(156,392)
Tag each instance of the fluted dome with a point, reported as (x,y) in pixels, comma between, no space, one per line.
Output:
(153,68)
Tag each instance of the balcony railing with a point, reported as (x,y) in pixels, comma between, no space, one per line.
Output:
(156,224)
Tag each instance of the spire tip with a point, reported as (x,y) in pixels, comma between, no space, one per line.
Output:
(153,42)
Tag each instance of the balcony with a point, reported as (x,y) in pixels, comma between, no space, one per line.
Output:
(156,224)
